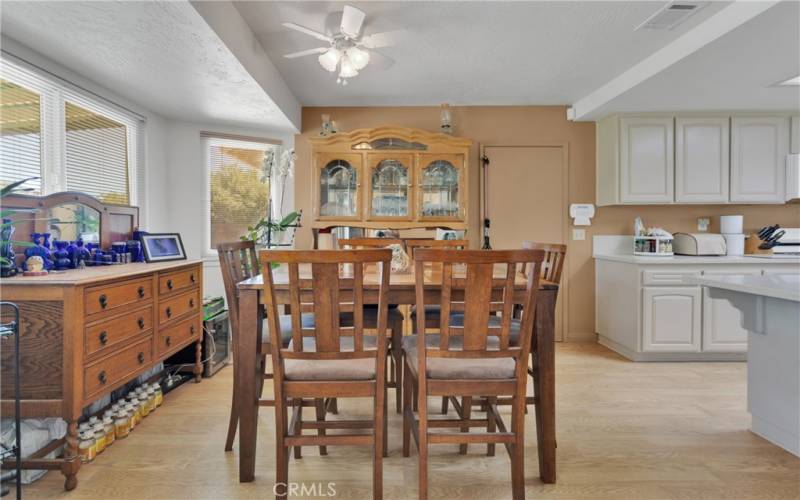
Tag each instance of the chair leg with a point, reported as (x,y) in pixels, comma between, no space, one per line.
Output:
(518,448)
(335,406)
(380,442)
(445,404)
(466,405)
(281,451)
(407,393)
(415,397)
(319,406)
(298,427)
(233,422)
(423,447)
(397,363)
(491,425)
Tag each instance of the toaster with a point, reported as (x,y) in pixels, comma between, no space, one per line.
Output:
(699,244)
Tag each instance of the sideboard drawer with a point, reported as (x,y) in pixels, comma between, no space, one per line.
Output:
(104,374)
(178,306)
(172,337)
(109,297)
(177,281)
(676,278)
(101,337)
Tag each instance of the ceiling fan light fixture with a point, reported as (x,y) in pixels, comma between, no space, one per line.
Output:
(330,59)
(346,68)
(359,57)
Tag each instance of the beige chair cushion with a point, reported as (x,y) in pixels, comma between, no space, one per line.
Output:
(319,370)
(456,369)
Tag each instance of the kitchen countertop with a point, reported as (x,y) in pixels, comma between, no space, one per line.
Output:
(688,259)
(778,286)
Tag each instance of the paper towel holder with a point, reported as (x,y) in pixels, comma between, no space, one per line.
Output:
(581,214)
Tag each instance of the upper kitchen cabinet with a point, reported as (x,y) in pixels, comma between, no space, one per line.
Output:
(390,177)
(701,159)
(759,145)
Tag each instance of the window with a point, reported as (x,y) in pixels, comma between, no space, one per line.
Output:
(239,189)
(71,140)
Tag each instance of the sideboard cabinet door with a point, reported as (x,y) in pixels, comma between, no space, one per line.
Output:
(759,146)
(647,167)
(337,180)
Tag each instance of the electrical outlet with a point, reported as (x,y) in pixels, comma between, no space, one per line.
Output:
(703,223)
(578,234)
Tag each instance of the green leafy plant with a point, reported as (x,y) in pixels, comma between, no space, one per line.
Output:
(13,188)
(264,226)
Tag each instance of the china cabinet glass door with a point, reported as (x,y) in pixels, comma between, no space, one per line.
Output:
(440,186)
(338,183)
(390,186)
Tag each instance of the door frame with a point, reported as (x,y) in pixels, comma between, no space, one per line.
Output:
(564,286)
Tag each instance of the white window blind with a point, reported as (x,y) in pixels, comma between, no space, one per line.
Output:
(239,190)
(96,150)
(20,135)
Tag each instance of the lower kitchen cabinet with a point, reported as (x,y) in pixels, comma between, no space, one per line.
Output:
(671,319)
(722,323)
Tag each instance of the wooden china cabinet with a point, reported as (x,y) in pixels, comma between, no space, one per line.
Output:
(390,177)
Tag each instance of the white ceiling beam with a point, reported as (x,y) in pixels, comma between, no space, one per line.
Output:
(726,20)
(235,33)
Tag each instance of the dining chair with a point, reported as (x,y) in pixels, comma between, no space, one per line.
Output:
(395,316)
(474,359)
(327,359)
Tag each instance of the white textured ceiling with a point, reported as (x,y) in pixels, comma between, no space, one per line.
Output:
(734,72)
(161,55)
(468,53)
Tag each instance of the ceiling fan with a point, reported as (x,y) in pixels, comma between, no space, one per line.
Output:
(349,50)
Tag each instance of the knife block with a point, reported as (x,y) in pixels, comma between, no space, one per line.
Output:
(751,244)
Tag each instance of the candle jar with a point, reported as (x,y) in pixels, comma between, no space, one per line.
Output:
(159,395)
(151,399)
(99,438)
(122,424)
(108,428)
(133,414)
(86,447)
(143,408)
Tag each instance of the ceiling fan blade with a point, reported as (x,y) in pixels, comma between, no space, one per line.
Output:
(318,50)
(383,39)
(308,31)
(352,19)
(380,60)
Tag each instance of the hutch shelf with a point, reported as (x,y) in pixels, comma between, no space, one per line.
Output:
(390,177)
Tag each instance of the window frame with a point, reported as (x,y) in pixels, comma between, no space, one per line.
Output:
(224,140)
(52,101)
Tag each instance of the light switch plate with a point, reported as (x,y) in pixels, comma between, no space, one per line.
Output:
(703,223)
(578,234)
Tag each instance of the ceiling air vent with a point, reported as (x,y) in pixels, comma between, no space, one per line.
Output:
(671,15)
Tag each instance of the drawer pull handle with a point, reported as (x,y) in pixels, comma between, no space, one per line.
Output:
(169,284)
(102,377)
(140,357)
(103,301)
(104,337)
(191,277)
(140,291)
(191,330)
(191,302)
(168,340)
(140,322)
(169,312)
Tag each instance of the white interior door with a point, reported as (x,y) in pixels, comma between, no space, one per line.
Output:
(526,200)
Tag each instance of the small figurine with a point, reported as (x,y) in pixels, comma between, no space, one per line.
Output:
(34,266)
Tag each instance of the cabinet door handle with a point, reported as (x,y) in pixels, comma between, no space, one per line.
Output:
(102,377)
(191,330)
(191,278)
(168,340)
(140,291)
(103,301)
(140,322)
(191,302)
(169,284)
(169,312)
(140,357)
(104,337)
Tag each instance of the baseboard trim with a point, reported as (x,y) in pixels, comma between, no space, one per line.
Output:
(670,356)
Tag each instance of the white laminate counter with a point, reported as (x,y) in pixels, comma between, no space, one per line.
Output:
(688,260)
(777,286)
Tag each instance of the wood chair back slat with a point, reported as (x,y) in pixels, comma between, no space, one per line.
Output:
(554,255)
(237,261)
(326,295)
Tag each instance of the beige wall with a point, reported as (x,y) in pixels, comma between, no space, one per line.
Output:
(522,126)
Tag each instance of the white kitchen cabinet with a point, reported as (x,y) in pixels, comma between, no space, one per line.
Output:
(646,160)
(722,322)
(702,159)
(759,145)
(671,319)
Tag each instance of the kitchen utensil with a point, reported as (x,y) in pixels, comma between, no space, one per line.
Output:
(767,231)
(772,240)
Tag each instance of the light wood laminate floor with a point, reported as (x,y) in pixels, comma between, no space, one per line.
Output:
(625,431)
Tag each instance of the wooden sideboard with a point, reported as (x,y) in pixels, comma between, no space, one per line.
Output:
(84,333)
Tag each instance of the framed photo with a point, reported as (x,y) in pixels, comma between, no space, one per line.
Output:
(161,247)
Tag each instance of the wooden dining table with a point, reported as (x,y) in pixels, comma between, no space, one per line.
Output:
(248,370)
